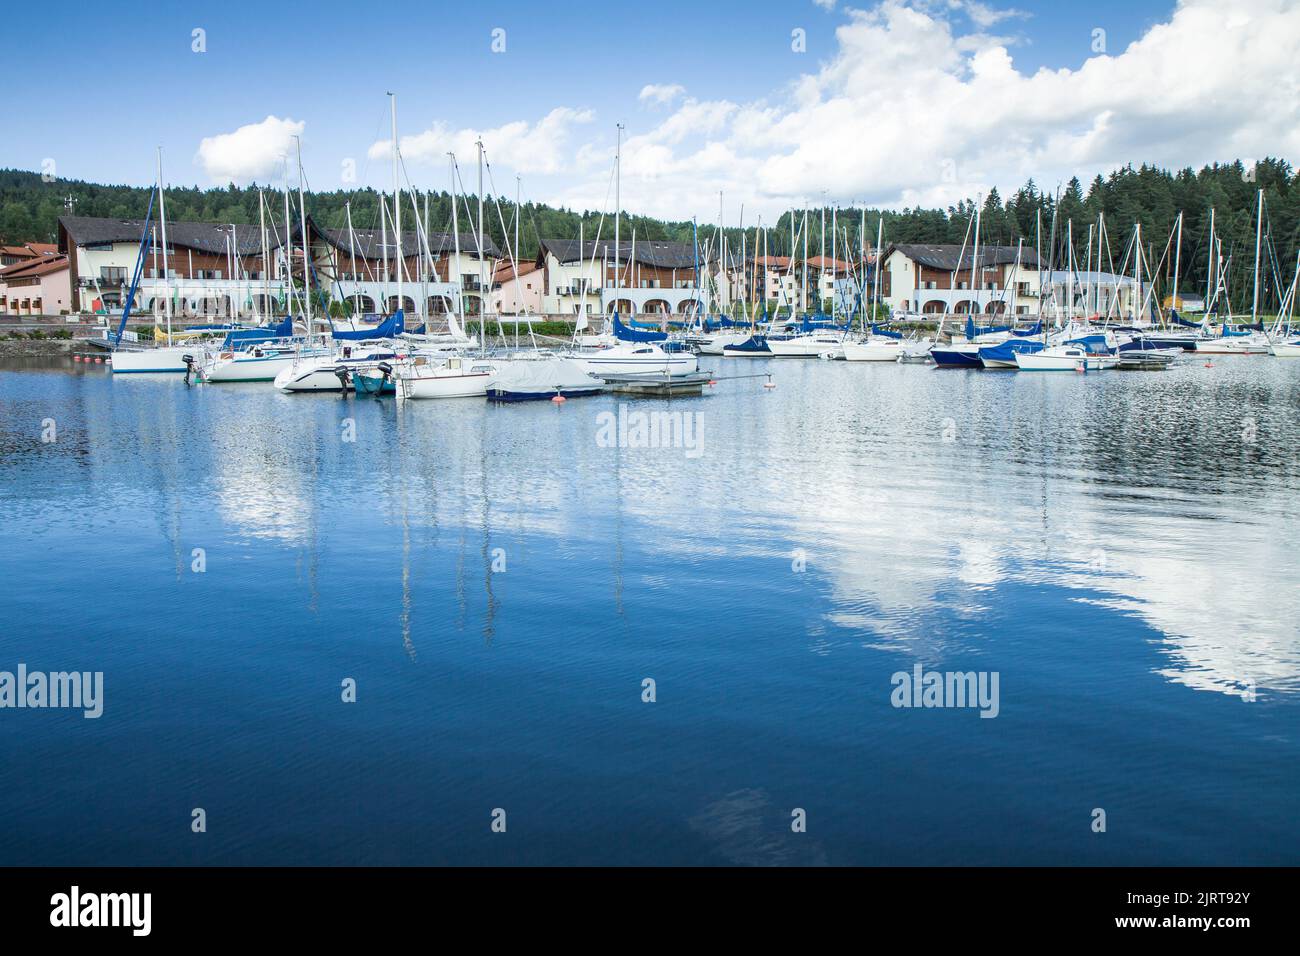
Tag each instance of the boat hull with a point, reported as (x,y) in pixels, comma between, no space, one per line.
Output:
(169,359)
(956,356)
(1285,349)
(873,351)
(462,385)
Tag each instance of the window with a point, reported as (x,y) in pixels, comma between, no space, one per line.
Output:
(112,275)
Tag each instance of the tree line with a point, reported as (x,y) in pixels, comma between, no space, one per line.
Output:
(30,207)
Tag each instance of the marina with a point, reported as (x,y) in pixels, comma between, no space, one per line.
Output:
(700,436)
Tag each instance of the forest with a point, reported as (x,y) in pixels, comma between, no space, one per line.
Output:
(1154,197)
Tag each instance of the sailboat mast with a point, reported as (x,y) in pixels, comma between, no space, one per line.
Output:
(1259,228)
(167,278)
(306,249)
(618,203)
(397,203)
(1209,267)
(266,254)
(455,236)
(1178,259)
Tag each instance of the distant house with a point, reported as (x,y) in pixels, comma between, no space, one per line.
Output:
(1186,302)
(517,292)
(9,255)
(937,280)
(38,285)
(212,269)
(351,266)
(653,277)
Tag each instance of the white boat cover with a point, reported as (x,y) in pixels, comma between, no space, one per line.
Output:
(543,376)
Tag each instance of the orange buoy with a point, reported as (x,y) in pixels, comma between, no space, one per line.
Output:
(712,383)
(1209,365)
(98,361)
(557,399)
(76,358)
(769,385)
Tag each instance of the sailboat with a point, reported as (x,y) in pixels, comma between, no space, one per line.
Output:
(164,358)
(638,351)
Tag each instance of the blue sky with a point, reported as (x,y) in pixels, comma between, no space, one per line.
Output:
(144,86)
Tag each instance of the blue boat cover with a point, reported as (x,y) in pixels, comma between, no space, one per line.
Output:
(886,333)
(1035,329)
(1179,320)
(972,330)
(624,334)
(395,324)
(1006,351)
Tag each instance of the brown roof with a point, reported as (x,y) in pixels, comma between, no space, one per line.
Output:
(32,268)
(826,262)
(505,272)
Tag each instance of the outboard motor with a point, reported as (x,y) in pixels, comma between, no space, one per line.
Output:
(191,368)
(343,377)
(386,370)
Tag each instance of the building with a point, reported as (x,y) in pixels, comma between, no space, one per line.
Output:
(517,292)
(645,277)
(37,285)
(936,279)
(213,270)
(359,266)
(9,255)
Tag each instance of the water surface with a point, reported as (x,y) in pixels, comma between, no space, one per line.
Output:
(1121,548)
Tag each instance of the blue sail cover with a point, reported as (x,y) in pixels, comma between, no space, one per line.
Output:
(972,330)
(1179,320)
(722,322)
(1035,329)
(624,334)
(885,333)
(1092,344)
(395,324)
(1006,351)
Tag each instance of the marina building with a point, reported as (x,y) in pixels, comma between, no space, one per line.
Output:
(212,271)
(936,279)
(360,266)
(646,277)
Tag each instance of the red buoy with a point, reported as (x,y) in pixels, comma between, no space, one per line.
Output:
(558,398)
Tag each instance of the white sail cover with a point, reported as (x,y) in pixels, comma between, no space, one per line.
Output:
(543,376)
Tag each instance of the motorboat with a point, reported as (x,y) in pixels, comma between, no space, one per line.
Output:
(1054,358)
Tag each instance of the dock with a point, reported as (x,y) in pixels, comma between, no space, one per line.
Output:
(666,385)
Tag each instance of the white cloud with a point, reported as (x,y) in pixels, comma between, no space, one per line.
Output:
(541,147)
(251,152)
(915,108)
(660,94)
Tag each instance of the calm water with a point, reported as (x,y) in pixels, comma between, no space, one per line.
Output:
(1121,548)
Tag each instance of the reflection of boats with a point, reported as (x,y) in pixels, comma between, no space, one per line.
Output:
(539,380)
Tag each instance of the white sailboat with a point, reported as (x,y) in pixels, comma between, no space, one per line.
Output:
(165,358)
